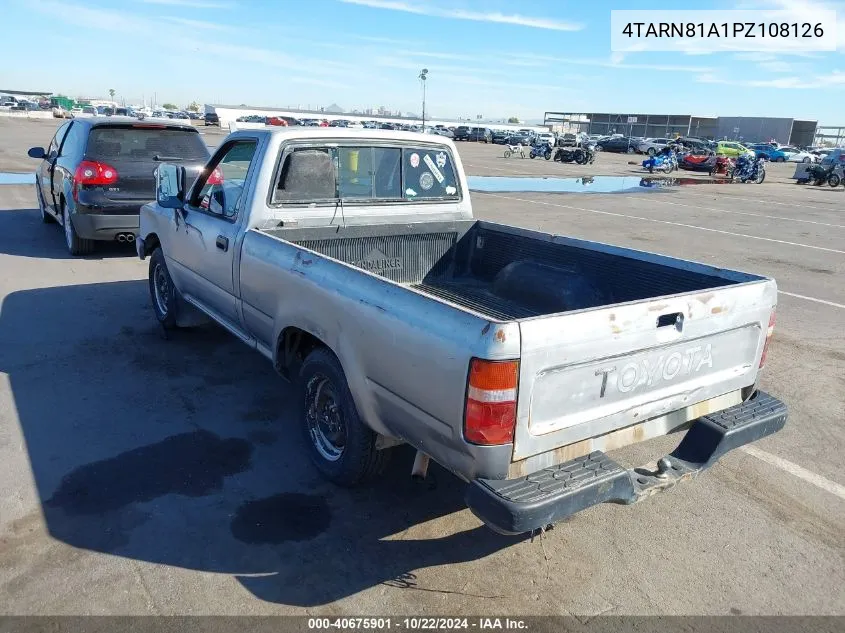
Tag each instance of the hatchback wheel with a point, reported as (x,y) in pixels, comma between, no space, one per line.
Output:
(75,245)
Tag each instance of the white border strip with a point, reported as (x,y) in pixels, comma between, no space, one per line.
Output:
(841,306)
(688,226)
(756,215)
(794,469)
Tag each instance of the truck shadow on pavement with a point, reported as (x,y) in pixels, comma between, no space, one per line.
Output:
(186,452)
(25,235)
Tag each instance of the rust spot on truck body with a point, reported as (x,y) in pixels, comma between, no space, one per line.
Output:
(500,335)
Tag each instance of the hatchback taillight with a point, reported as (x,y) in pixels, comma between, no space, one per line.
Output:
(90,172)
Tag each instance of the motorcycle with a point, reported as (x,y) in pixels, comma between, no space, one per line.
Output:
(514,149)
(667,163)
(543,149)
(723,166)
(750,168)
(584,155)
(819,174)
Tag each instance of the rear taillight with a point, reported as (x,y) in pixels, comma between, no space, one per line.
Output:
(216,177)
(491,401)
(769,332)
(90,172)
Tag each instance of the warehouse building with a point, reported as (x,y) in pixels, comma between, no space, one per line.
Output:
(749,129)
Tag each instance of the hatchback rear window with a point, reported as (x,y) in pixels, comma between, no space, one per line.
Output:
(143,144)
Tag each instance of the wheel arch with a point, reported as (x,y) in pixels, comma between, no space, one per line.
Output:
(296,340)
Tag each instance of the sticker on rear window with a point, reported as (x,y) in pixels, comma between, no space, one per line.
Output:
(415,160)
(426,181)
(437,173)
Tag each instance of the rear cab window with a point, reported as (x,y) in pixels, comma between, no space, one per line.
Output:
(367,174)
(142,143)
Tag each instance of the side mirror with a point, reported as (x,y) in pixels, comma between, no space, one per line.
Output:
(36,152)
(170,186)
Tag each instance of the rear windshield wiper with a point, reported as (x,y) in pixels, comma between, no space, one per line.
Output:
(165,159)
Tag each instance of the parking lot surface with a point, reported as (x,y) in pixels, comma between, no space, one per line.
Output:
(140,475)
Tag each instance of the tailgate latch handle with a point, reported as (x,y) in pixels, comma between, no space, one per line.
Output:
(675,319)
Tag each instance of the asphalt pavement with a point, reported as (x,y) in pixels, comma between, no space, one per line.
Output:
(144,475)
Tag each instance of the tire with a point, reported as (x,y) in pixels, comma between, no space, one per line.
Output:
(780,159)
(599,148)
(46,217)
(650,151)
(761,176)
(531,155)
(833,180)
(580,157)
(548,154)
(349,457)
(507,153)
(75,245)
(630,150)
(806,159)
(163,294)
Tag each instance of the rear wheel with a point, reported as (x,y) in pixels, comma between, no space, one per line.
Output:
(806,159)
(548,154)
(780,159)
(340,445)
(507,153)
(651,151)
(75,245)
(833,180)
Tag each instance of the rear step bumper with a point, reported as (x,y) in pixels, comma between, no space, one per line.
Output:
(515,506)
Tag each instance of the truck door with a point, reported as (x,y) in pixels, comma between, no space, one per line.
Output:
(204,239)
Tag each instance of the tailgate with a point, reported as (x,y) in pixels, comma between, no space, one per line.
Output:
(587,373)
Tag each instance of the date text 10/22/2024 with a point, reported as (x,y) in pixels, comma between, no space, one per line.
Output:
(417,624)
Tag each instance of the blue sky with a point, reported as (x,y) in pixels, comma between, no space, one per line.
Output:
(496,58)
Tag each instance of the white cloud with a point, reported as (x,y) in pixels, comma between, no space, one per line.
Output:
(198,24)
(833,79)
(192,4)
(610,63)
(475,16)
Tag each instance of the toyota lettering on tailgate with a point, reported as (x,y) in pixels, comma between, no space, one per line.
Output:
(649,372)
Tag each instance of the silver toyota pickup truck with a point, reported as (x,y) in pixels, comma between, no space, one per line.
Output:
(515,359)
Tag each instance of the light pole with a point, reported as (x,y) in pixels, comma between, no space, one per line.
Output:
(423,75)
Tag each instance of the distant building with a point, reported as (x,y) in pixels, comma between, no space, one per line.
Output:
(747,129)
(333,109)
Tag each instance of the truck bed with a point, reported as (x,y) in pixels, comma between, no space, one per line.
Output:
(504,273)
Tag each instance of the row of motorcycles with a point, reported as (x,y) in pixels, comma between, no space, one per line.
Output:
(745,168)
(583,154)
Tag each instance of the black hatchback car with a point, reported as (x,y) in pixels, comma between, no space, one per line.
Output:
(97,173)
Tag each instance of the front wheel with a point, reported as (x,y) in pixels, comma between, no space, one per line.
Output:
(761,176)
(834,180)
(668,168)
(806,159)
(507,153)
(339,444)
(532,155)
(46,218)
(548,154)
(163,293)
(650,151)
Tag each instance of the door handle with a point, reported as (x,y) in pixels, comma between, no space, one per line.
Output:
(223,243)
